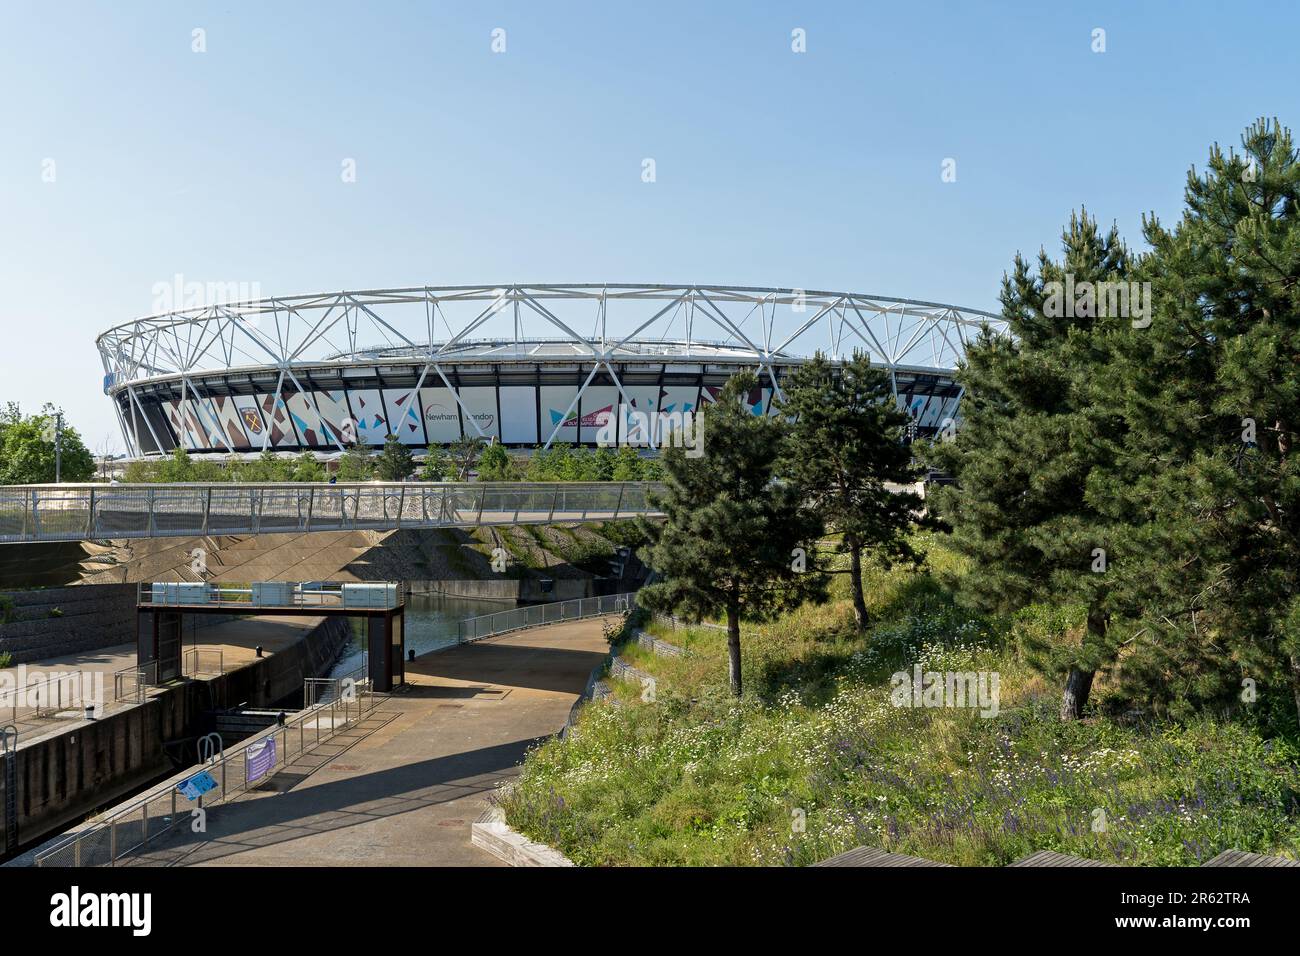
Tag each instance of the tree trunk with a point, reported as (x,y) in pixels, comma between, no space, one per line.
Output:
(733,647)
(1295,681)
(855,581)
(1077,687)
(1078,684)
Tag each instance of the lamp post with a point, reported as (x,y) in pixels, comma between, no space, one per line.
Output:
(53,432)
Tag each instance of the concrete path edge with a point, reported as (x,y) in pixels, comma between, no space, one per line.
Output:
(492,834)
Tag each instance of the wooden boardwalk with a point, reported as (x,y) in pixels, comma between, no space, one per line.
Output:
(870,856)
(1242,858)
(1052,858)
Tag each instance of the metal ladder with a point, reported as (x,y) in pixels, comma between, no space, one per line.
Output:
(9,753)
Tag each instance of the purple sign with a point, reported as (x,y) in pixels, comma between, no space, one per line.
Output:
(260,761)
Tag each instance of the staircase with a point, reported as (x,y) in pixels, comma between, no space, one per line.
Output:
(239,723)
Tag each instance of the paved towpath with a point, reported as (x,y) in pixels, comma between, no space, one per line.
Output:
(403,787)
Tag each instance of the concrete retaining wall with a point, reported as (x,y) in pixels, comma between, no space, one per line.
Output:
(56,621)
(67,776)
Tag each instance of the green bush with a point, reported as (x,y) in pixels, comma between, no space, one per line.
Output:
(699,778)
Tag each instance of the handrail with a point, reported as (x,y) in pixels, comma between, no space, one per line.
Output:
(96,511)
(538,615)
(289,485)
(262,595)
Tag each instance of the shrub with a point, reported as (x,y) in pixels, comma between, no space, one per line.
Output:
(698,778)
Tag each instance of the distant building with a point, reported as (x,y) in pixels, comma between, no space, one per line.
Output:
(321,373)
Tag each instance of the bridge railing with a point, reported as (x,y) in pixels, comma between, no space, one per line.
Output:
(536,615)
(77,512)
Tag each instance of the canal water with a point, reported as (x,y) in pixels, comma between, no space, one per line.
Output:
(432,622)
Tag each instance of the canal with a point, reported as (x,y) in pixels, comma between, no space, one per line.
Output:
(432,622)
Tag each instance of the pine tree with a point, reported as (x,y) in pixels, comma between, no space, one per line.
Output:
(1214,408)
(307,468)
(628,465)
(266,467)
(464,452)
(728,544)
(1032,441)
(844,448)
(495,464)
(395,462)
(435,464)
(602,465)
(356,465)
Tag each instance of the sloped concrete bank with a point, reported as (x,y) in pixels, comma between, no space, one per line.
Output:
(68,775)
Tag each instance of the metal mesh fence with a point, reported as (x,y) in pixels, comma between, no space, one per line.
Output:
(63,512)
(489,625)
(203,660)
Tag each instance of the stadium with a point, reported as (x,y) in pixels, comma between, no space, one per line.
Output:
(524,365)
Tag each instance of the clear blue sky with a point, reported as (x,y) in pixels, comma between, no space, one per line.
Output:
(815,170)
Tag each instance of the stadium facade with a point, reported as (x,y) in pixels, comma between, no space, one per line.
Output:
(507,363)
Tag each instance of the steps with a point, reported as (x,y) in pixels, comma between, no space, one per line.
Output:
(246,722)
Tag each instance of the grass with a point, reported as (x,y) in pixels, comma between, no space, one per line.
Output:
(815,759)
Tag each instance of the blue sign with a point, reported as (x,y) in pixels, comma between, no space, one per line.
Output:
(196,786)
(260,761)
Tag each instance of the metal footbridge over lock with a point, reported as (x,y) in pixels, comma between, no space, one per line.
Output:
(67,512)
(163,608)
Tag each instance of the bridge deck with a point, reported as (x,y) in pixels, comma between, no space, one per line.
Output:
(97,511)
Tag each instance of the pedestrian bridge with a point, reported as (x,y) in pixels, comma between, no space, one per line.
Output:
(34,513)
